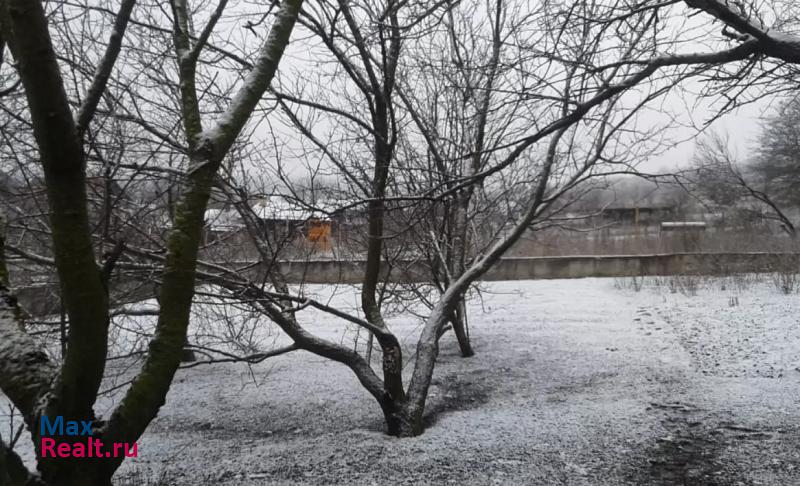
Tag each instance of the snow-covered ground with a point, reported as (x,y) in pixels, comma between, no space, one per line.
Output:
(578,382)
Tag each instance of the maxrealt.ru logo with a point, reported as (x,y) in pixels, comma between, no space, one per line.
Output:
(91,447)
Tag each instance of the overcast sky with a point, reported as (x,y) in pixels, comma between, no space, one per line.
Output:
(689,112)
(743,129)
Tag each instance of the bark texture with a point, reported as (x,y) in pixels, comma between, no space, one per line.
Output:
(26,375)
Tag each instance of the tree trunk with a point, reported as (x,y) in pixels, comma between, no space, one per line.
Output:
(12,471)
(74,480)
(73,472)
(460,249)
(459,321)
(400,420)
(391,416)
(187,354)
(410,423)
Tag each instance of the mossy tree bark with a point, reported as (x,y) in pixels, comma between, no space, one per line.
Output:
(26,375)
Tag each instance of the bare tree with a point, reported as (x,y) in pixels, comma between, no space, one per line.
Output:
(573,75)
(576,107)
(728,183)
(760,186)
(777,158)
(35,384)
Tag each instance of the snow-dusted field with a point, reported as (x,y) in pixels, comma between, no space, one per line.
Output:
(575,382)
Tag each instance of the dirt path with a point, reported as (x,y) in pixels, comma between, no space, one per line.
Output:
(735,428)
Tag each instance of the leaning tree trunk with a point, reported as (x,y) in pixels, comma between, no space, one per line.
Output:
(458,317)
(458,320)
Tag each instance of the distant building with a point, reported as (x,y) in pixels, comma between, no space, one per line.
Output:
(638,215)
(288,221)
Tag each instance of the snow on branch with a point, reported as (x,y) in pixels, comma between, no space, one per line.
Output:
(25,369)
(771,44)
(258,80)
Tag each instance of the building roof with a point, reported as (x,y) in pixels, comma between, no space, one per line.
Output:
(223,219)
(278,208)
(269,208)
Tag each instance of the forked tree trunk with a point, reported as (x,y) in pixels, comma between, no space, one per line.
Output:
(400,420)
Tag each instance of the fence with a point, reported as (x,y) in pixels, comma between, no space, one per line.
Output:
(523,268)
(43,299)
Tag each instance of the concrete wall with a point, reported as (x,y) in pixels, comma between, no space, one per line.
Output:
(331,271)
(43,299)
